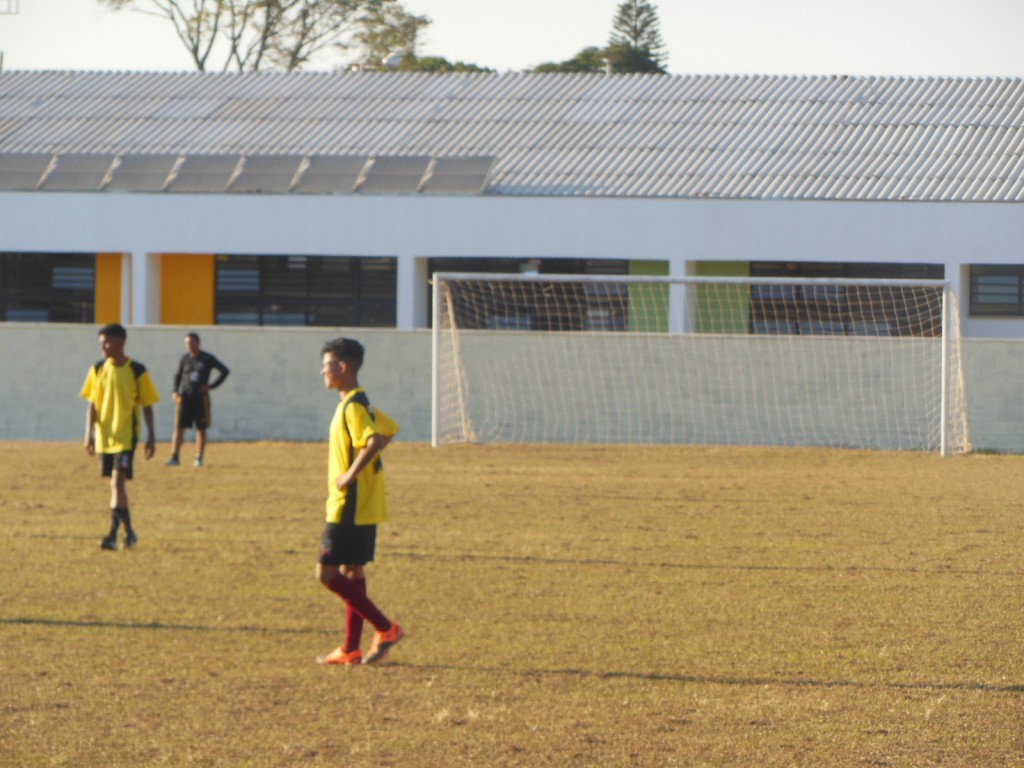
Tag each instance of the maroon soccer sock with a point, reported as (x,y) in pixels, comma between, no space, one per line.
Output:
(360,603)
(353,621)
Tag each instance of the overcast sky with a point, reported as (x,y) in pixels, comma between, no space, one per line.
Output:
(792,37)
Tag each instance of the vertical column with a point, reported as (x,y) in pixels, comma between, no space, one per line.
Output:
(126,289)
(145,288)
(411,294)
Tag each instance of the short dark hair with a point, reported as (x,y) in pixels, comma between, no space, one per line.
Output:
(347,350)
(114,331)
(193,335)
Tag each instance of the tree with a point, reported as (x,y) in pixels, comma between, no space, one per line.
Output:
(590,59)
(635,45)
(626,58)
(437,64)
(388,30)
(250,35)
(636,27)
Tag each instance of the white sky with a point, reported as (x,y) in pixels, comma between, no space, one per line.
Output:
(790,37)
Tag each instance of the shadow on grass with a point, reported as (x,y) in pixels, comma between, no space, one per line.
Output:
(474,556)
(849,569)
(159,625)
(716,679)
(542,673)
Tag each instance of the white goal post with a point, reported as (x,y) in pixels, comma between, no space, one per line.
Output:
(855,363)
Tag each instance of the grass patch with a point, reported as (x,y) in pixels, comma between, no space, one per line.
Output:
(586,606)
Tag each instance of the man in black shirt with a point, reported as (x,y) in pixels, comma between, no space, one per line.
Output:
(192,387)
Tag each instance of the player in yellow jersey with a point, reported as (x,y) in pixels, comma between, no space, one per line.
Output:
(117,388)
(356,503)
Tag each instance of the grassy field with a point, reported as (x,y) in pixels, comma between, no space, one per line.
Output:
(591,606)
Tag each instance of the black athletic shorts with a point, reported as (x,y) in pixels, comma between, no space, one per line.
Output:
(122,461)
(348,544)
(193,412)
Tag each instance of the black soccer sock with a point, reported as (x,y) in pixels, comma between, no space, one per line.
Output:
(115,522)
(126,518)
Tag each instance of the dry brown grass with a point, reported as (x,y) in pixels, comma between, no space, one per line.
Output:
(565,606)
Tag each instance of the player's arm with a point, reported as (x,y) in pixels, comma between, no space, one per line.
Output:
(222,373)
(177,377)
(386,426)
(147,414)
(90,429)
(374,445)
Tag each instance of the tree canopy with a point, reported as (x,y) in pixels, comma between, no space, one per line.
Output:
(634,46)
(636,27)
(250,35)
(591,59)
(436,64)
(253,35)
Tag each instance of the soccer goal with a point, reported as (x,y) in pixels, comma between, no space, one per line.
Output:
(697,360)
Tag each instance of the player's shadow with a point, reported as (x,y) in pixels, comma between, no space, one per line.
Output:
(715,679)
(791,682)
(159,626)
(612,563)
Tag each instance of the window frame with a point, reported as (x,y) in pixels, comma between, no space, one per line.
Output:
(979,308)
(297,290)
(48,287)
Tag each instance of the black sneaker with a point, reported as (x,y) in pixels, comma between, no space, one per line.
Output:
(109,543)
(130,540)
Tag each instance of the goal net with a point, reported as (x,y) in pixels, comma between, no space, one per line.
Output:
(700,360)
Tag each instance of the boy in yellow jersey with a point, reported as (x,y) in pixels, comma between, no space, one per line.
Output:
(356,503)
(117,387)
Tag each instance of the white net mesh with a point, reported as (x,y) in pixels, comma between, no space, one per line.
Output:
(841,363)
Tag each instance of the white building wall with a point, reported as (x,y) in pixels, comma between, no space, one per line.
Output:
(416,227)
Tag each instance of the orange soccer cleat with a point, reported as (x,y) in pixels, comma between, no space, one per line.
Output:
(341,656)
(384,642)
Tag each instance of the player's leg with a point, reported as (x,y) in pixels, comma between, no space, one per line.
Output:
(353,621)
(123,471)
(202,416)
(107,471)
(200,445)
(179,432)
(346,549)
(118,489)
(326,574)
(360,548)
(176,440)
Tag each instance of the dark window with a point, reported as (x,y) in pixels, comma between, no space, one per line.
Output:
(306,290)
(825,310)
(48,287)
(551,306)
(997,290)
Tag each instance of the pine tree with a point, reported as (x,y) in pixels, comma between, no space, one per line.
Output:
(635,27)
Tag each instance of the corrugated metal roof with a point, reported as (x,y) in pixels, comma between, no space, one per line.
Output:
(732,137)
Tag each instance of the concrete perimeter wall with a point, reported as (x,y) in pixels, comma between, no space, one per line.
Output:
(275,391)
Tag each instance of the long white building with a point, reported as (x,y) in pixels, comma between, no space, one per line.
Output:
(330,198)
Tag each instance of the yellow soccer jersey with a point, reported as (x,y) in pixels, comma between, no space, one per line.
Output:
(355,422)
(118,392)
